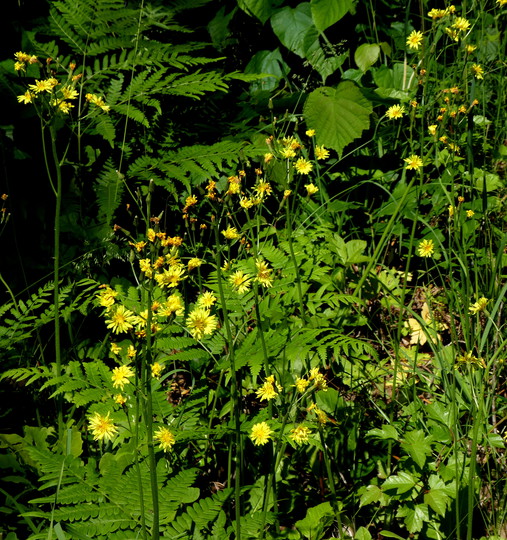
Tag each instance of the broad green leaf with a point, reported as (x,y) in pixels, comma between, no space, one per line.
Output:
(396,83)
(415,516)
(401,483)
(325,13)
(418,446)
(262,9)
(437,499)
(366,55)
(338,115)
(371,495)
(291,27)
(316,518)
(362,534)
(389,534)
(387,432)
(267,62)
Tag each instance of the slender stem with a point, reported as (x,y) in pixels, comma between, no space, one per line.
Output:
(234,386)
(56,267)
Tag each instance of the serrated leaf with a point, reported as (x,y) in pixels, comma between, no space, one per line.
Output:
(387,432)
(417,445)
(437,500)
(366,55)
(415,516)
(325,13)
(338,115)
(371,495)
(401,483)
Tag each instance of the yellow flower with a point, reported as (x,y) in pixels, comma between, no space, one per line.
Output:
(190,201)
(311,189)
(395,111)
(195,262)
(165,438)
(477,71)
(451,210)
(469,359)
(286,193)
(437,13)
(231,233)
(470,48)
(432,130)
(171,276)
(318,379)
(145,267)
(426,248)
(122,320)
(470,213)
(245,203)
(172,305)
(300,434)
(303,166)
(461,24)
(501,2)
(301,385)
(263,274)
(206,300)
(414,40)
(268,157)
(121,400)
(115,348)
(21,56)
(260,434)
(107,296)
(69,92)
(131,351)
(267,391)
(156,370)
(26,98)
(240,281)
(121,376)
(42,86)
(310,132)
(102,427)
(288,153)
(321,152)
(480,305)
(200,323)
(263,188)
(413,162)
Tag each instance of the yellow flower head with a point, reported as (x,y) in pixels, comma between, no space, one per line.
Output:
(240,281)
(461,24)
(120,399)
(171,276)
(263,276)
(195,262)
(480,305)
(206,300)
(121,376)
(413,162)
(414,40)
(311,189)
(102,427)
(173,304)
(201,323)
(122,320)
(300,434)
(310,132)
(318,379)
(432,130)
(321,152)
(395,111)
(470,213)
(231,233)
(301,385)
(303,166)
(260,434)
(26,98)
(477,71)
(156,370)
(267,391)
(426,248)
(263,188)
(165,438)
(115,348)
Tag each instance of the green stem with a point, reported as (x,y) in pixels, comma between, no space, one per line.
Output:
(234,387)
(56,268)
